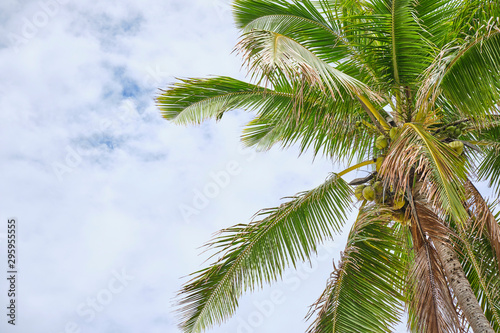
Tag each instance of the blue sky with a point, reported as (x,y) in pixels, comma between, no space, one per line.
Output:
(100,183)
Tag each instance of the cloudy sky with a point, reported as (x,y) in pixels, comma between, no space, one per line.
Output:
(111,199)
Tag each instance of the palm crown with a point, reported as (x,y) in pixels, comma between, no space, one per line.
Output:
(410,87)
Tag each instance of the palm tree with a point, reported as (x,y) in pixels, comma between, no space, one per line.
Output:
(409,89)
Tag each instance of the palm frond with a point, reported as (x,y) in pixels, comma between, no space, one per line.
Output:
(257,253)
(392,42)
(247,11)
(435,18)
(431,224)
(320,124)
(483,219)
(267,53)
(470,16)
(432,308)
(431,305)
(489,169)
(365,293)
(338,11)
(300,21)
(195,100)
(439,169)
(468,75)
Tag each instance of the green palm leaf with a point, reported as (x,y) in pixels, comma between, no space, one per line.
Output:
(338,139)
(394,42)
(300,21)
(435,18)
(468,75)
(469,15)
(270,53)
(489,169)
(365,293)
(254,254)
(316,122)
(195,100)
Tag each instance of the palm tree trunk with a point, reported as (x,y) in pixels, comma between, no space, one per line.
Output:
(462,290)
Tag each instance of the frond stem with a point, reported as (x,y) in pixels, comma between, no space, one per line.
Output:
(354,167)
(376,117)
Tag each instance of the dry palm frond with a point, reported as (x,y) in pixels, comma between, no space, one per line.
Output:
(418,156)
(432,305)
(432,225)
(483,219)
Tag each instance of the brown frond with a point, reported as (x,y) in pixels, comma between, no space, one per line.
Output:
(432,225)
(432,304)
(404,155)
(433,308)
(482,218)
(417,157)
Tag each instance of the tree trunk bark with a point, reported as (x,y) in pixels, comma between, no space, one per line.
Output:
(462,290)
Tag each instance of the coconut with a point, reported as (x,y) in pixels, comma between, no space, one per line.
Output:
(458,132)
(381,142)
(379,189)
(358,193)
(393,133)
(457,146)
(378,163)
(399,202)
(369,193)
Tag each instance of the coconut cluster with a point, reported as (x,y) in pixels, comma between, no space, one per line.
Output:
(376,191)
(396,200)
(453,132)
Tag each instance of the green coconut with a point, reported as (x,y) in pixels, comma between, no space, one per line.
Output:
(451,129)
(358,192)
(381,142)
(399,202)
(369,193)
(393,133)
(457,146)
(378,163)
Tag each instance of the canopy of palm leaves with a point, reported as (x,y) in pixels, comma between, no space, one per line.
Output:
(411,87)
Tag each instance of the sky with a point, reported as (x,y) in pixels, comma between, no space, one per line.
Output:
(113,202)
